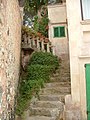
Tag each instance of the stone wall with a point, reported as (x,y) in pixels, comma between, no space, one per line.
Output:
(10,40)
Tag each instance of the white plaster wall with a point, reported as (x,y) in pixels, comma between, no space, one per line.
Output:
(79,42)
(57,13)
(57,17)
(83,60)
(73,17)
(60,45)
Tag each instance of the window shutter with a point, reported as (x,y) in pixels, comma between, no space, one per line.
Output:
(62,31)
(59,31)
(56,34)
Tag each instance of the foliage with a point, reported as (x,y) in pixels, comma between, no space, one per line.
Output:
(40,26)
(28,31)
(38,71)
(41,23)
(33,5)
(44,59)
(32,8)
(27,89)
(36,23)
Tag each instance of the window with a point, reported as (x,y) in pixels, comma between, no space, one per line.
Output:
(86,9)
(59,31)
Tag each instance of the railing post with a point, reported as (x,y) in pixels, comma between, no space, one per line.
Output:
(48,49)
(53,50)
(25,39)
(33,41)
(42,42)
(38,45)
(29,41)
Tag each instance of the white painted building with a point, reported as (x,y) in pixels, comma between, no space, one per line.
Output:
(74,15)
(58,29)
(78,17)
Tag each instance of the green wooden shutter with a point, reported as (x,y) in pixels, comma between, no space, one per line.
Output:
(62,31)
(88,89)
(56,34)
(59,31)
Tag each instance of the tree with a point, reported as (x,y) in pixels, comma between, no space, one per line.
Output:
(33,6)
(36,16)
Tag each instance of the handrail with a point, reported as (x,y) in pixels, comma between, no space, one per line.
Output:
(36,43)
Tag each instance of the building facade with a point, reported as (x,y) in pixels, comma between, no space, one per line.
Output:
(58,29)
(10,42)
(74,17)
(78,17)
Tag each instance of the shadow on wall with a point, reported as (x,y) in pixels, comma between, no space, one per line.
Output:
(26,55)
(0,93)
(55,1)
(21,3)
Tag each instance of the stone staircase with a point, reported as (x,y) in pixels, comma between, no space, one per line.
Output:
(50,105)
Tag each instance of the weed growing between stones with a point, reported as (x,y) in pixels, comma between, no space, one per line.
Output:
(40,67)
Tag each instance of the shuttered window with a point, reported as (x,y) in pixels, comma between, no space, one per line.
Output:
(86,9)
(59,31)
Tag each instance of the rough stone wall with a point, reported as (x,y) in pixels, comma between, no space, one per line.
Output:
(10,40)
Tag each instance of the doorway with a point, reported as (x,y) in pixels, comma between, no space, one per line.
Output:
(88,90)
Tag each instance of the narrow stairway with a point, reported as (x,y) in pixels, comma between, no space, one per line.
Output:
(50,105)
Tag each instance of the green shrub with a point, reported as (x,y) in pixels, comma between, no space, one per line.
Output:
(38,71)
(21,105)
(27,90)
(44,59)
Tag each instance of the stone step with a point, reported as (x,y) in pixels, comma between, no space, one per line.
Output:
(60,79)
(65,63)
(60,98)
(41,118)
(64,68)
(49,104)
(50,112)
(58,84)
(61,74)
(55,91)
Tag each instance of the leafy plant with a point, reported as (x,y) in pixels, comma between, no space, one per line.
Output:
(44,59)
(28,31)
(41,23)
(34,5)
(36,72)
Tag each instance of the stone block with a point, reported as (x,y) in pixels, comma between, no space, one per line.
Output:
(73,115)
(72,110)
